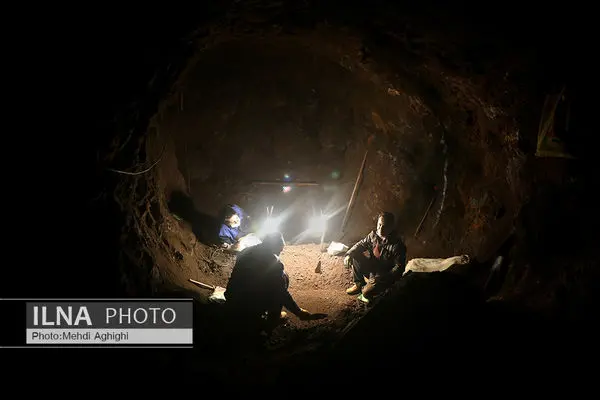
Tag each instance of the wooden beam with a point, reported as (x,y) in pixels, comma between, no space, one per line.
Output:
(284,183)
(355,190)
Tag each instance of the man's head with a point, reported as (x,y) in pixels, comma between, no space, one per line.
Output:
(233,220)
(232,215)
(274,242)
(385,224)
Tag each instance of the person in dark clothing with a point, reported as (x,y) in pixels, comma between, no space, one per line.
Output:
(258,284)
(377,259)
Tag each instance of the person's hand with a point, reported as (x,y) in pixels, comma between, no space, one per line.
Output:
(305,315)
(347,262)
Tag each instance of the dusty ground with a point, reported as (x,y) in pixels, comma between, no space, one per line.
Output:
(318,292)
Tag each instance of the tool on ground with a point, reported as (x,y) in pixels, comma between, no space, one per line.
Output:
(202,285)
(218,295)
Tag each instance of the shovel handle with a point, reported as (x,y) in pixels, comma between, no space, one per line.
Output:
(425,216)
(203,285)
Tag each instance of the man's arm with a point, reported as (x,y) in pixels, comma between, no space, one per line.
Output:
(290,304)
(279,283)
(360,246)
(226,236)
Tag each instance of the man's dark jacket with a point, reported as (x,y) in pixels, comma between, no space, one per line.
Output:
(393,251)
(258,281)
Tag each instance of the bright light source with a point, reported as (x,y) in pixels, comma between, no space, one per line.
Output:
(270,225)
(317,224)
(248,241)
(286,189)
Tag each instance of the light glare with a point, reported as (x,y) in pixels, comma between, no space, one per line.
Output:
(317,224)
(270,225)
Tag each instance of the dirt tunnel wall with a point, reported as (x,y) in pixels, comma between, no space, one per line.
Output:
(310,122)
(450,139)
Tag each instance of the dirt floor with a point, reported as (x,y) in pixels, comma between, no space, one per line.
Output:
(317,280)
(321,290)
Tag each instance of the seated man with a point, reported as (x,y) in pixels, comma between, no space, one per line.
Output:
(258,284)
(379,257)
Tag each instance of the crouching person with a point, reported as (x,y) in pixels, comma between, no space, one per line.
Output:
(376,260)
(258,285)
(231,229)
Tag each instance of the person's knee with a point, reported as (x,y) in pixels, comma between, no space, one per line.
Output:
(357,263)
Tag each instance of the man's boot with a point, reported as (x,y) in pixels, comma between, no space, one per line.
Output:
(354,289)
(370,290)
(375,286)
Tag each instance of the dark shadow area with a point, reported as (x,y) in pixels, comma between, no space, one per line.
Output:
(498,266)
(414,316)
(204,226)
(574,120)
(558,218)
(437,320)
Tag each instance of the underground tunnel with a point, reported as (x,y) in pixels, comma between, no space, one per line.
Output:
(307,110)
